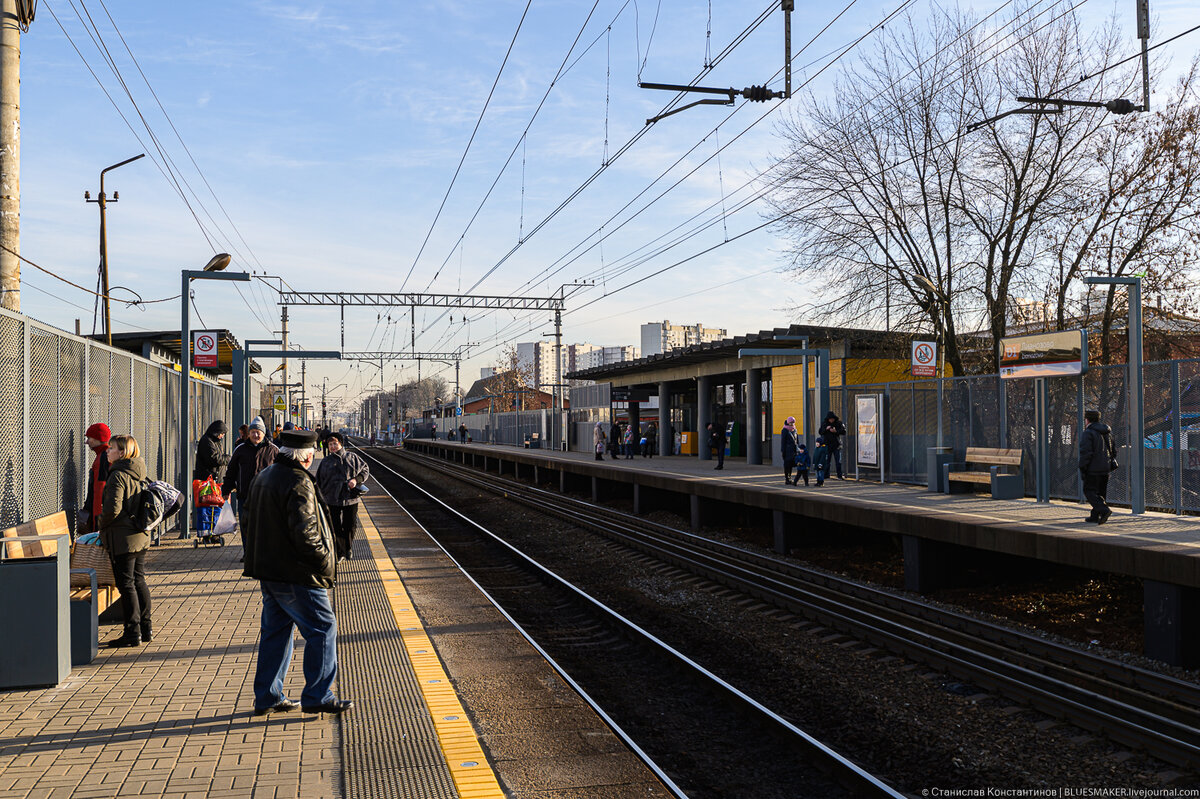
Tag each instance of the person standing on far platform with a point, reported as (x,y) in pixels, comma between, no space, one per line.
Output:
(598,440)
(340,477)
(614,440)
(290,551)
(630,441)
(820,461)
(832,430)
(651,441)
(788,444)
(96,438)
(716,442)
(1097,460)
(802,464)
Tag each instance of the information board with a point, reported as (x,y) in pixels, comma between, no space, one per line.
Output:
(1043,355)
(866,432)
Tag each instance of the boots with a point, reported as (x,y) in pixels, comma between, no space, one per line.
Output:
(146,630)
(131,637)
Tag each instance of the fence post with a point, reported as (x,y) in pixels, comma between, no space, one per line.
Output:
(1002,398)
(1041,446)
(1176,441)
(1079,425)
(940,380)
(26,356)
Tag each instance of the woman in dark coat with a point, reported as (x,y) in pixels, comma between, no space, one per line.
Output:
(614,440)
(788,446)
(125,539)
(210,458)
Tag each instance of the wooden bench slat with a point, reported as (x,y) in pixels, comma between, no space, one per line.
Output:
(971,477)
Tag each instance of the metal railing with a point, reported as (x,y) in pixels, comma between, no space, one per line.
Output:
(986,411)
(53,385)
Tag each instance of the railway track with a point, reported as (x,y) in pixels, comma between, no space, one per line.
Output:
(703,736)
(1136,707)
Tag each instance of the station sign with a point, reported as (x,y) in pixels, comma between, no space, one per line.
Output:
(924,359)
(1044,355)
(204,346)
(628,394)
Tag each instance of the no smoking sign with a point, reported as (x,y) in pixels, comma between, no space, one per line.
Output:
(205,346)
(924,358)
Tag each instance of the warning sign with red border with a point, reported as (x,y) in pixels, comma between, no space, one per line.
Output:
(204,343)
(924,358)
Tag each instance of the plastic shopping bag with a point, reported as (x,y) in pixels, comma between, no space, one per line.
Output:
(227,523)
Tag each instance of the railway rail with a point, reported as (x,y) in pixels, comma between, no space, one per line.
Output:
(1134,706)
(708,735)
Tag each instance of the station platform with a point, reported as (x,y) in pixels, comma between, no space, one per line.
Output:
(1163,550)
(174,718)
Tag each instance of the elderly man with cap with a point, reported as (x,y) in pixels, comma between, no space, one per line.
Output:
(341,476)
(289,550)
(248,459)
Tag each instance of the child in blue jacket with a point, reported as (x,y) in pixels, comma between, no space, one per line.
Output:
(820,461)
(802,463)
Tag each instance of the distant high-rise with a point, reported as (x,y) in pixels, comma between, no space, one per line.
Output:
(537,357)
(660,337)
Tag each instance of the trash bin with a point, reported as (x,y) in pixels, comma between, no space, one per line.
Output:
(36,624)
(935,459)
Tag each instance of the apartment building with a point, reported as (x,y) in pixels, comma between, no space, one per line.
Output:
(660,337)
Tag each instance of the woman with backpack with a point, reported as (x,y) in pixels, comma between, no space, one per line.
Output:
(125,538)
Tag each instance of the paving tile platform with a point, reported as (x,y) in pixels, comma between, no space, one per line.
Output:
(447,694)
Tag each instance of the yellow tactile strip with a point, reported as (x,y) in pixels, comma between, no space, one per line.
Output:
(473,775)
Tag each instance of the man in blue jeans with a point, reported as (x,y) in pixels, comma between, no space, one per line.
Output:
(289,549)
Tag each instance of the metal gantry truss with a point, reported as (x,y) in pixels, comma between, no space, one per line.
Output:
(419,300)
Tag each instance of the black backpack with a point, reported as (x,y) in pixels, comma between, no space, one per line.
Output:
(157,501)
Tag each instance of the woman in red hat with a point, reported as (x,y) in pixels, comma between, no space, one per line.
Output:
(97,437)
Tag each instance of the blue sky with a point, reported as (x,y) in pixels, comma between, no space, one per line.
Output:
(329,134)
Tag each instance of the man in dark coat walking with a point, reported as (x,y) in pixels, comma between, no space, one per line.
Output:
(1097,459)
(290,551)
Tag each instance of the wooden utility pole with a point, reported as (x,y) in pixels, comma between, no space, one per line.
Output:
(15,16)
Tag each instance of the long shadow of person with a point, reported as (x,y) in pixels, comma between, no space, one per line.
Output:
(70,486)
(10,505)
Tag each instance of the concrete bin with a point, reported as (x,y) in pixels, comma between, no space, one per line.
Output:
(35,624)
(935,459)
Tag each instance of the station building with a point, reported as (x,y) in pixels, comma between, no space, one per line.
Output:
(747,395)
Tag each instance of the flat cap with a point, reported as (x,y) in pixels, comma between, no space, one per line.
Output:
(297,439)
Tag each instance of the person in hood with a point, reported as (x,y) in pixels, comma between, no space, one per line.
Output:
(96,438)
(832,430)
(340,477)
(125,538)
(210,456)
(788,446)
(290,551)
(598,440)
(1097,459)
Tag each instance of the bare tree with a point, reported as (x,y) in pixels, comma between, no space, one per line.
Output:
(884,191)
(512,379)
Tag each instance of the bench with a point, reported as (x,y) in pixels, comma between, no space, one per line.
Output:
(991,467)
(39,539)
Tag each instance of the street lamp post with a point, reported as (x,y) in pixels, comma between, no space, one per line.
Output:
(1137,411)
(211,271)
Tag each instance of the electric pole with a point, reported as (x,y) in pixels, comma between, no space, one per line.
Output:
(103,201)
(287,391)
(15,16)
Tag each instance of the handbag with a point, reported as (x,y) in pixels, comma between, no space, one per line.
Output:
(91,556)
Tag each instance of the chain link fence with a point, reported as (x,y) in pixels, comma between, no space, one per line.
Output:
(53,385)
(986,411)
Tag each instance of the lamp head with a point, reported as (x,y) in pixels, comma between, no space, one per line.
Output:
(926,284)
(218,262)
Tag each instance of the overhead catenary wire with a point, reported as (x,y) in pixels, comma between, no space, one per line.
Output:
(467,149)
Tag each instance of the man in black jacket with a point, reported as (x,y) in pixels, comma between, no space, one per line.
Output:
(290,551)
(1097,459)
(832,430)
(249,458)
(340,477)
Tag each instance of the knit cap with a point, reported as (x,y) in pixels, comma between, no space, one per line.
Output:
(100,432)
